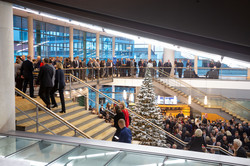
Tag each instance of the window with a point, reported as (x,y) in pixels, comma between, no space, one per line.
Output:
(50,40)
(90,45)
(79,43)
(20,30)
(105,51)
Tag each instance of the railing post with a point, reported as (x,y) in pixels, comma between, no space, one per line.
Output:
(98,75)
(75,133)
(37,124)
(70,85)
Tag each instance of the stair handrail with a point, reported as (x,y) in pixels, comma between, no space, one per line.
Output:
(54,115)
(201,92)
(152,124)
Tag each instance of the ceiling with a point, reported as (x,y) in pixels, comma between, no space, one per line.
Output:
(221,27)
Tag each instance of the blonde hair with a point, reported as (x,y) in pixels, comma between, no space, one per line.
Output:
(198,133)
(123,104)
(59,66)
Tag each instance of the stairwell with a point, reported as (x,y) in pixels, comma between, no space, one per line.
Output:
(196,104)
(76,115)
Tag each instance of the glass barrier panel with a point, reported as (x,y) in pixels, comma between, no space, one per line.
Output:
(183,162)
(128,159)
(81,156)
(9,145)
(42,153)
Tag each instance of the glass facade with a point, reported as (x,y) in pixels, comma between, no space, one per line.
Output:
(90,45)
(79,43)
(50,40)
(105,51)
(124,48)
(20,30)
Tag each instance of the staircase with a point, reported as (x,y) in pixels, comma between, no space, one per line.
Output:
(76,115)
(197,103)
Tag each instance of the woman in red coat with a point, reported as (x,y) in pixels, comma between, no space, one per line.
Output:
(125,112)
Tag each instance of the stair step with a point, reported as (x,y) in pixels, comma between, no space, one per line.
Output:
(98,129)
(44,116)
(24,118)
(106,133)
(56,122)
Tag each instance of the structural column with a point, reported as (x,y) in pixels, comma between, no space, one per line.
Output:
(113,46)
(71,43)
(196,64)
(248,73)
(169,55)
(149,51)
(97,45)
(97,99)
(30,37)
(7,91)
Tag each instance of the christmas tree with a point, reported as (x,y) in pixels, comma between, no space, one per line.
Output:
(146,106)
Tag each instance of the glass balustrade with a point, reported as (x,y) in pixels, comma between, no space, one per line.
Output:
(62,152)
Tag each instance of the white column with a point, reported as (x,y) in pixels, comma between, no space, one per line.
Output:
(30,37)
(169,55)
(149,51)
(248,73)
(113,47)
(7,91)
(97,98)
(71,43)
(113,92)
(196,64)
(97,45)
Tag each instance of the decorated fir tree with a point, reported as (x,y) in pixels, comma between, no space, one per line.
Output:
(146,106)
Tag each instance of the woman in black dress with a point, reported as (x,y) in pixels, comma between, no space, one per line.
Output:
(197,141)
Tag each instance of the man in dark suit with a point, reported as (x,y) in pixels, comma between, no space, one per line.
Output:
(179,68)
(84,66)
(45,79)
(76,66)
(160,65)
(27,75)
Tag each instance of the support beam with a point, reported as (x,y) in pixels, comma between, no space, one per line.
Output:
(169,55)
(71,43)
(97,99)
(113,47)
(248,73)
(30,37)
(7,97)
(149,51)
(97,45)
(196,64)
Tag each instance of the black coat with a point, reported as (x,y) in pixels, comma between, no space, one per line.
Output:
(196,144)
(59,79)
(45,76)
(27,69)
(241,152)
(116,119)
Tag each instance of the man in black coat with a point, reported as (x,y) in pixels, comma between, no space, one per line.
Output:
(27,74)
(45,79)
(160,65)
(239,151)
(168,66)
(179,68)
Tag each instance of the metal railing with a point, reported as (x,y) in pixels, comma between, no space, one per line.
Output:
(50,113)
(212,100)
(169,135)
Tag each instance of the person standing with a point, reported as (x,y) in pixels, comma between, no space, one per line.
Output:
(125,112)
(76,66)
(168,68)
(27,74)
(52,91)
(160,65)
(197,141)
(59,85)
(84,66)
(118,115)
(125,134)
(140,65)
(179,68)
(239,151)
(18,79)
(45,79)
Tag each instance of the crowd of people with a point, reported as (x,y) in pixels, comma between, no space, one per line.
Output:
(50,79)
(232,136)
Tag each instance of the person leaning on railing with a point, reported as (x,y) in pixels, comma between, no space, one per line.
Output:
(197,142)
